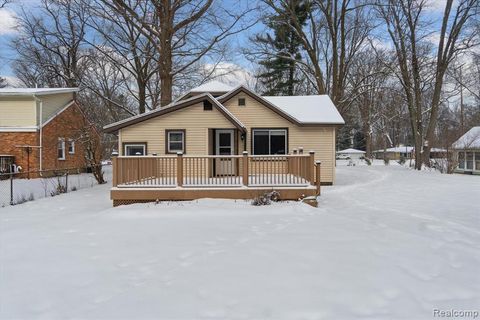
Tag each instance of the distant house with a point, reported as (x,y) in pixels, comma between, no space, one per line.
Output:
(38,129)
(350,153)
(219,130)
(395,153)
(467,152)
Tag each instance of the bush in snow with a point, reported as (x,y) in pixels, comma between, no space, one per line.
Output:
(402,160)
(386,161)
(368,161)
(59,188)
(266,199)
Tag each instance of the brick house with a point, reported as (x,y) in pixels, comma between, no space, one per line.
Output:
(41,129)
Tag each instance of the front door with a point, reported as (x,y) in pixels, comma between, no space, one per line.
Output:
(224,146)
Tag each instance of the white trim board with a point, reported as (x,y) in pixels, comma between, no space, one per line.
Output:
(19,129)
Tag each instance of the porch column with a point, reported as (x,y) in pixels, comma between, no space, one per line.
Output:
(114,170)
(179,169)
(311,168)
(318,165)
(245,168)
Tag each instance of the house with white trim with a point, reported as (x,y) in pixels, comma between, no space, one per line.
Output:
(467,152)
(39,128)
(219,131)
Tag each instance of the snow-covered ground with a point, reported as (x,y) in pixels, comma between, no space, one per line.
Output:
(32,189)
(386,242)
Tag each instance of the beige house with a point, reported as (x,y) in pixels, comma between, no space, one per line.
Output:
(223,124)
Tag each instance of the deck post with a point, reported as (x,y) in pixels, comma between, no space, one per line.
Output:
(311,168)
(179,169)
(245,168)
(114,171)
(318,165)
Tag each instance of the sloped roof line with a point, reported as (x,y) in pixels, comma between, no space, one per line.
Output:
(173,107)
(260,99)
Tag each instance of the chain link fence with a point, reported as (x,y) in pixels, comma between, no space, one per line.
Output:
(17,188)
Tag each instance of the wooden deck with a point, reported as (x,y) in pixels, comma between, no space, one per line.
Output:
(158,178)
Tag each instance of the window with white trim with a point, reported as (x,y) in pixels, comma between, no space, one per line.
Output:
(461,160)
(175,141)
(269,141)
(135,149)
(61,149)
(71,146)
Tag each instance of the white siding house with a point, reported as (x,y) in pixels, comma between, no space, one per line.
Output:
(467,152)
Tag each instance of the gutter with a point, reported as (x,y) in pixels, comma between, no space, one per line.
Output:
(41,131)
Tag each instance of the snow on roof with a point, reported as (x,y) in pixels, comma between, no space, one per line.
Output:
(397,149)
(350,150)
(470,140)
(32,91)
(213,86)
(308,109)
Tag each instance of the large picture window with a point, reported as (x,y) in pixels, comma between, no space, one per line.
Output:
(135,149)
(175,140)
(269,141)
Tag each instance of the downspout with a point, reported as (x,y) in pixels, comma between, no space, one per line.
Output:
(41,130)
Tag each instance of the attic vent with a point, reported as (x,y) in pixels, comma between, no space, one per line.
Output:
(241,101)
(207,105)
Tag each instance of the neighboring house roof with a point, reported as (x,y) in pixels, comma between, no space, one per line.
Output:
(309,109)
(174,107)
(470,140)
(350,150)
(213,86)
(397,149)
(34,91)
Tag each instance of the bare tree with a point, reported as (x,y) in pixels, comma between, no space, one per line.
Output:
(334,34)
(371,81)
(408,28)
(49,48)
(133,54)
(184,32)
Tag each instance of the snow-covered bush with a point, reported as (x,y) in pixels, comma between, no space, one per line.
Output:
(368,161)
(266,199)
(401,160)
(386,161)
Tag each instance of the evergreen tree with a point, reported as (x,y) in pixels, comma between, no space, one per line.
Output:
(279,76)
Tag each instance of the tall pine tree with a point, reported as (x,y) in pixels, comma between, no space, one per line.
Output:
(279,72)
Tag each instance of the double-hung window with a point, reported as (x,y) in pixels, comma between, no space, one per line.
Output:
(175,141)
(135,149)
(71,146)
(269,141)
(461,160)
(61,149)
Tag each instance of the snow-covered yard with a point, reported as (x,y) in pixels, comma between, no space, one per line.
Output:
(385,243)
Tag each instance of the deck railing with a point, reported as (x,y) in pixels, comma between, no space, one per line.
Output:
(216,171)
